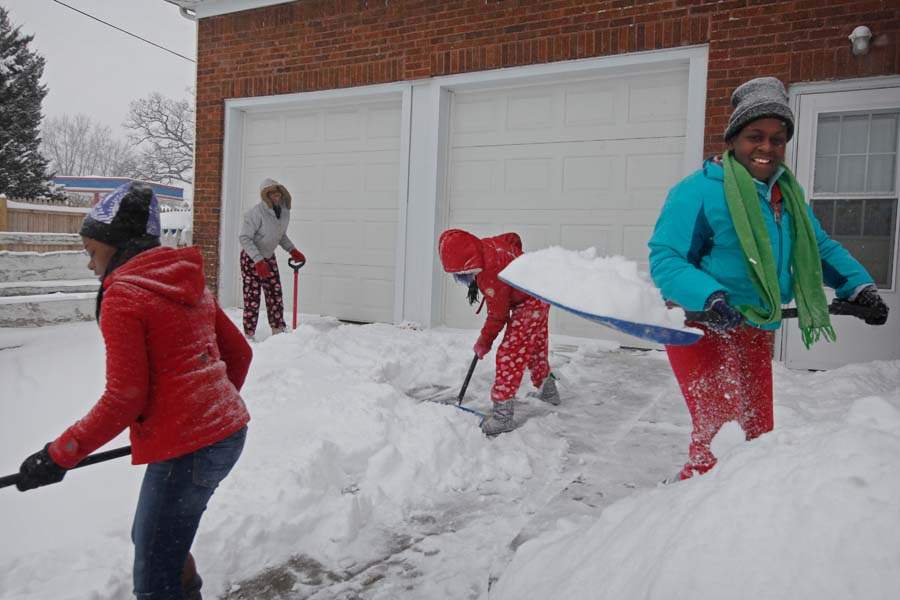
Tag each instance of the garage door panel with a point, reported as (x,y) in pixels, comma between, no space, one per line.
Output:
(472,176)
(660,100)
(382,177)
(650,176)
(634,244)
(589,174)
(622,107)
(382,124)
(343,125)
(528,174)
(578,237)
(531,111)
(590,107)
(262,132)
(303,128)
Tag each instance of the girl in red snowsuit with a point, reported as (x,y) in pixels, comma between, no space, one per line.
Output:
(524,317)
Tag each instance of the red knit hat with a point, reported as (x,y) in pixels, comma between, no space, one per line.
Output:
(460,251)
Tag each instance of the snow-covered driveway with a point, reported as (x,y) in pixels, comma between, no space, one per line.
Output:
(349,488)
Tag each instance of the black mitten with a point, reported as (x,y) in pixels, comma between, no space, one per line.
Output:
(870,298)
(721,316)
(39,470)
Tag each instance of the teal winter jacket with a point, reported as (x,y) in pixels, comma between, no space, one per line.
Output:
(694,250)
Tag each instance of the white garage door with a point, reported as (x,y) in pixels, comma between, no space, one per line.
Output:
(341,165)
(580,164)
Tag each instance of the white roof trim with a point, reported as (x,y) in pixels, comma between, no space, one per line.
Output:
(210,8)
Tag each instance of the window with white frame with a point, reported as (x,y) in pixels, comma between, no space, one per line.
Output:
(854,193)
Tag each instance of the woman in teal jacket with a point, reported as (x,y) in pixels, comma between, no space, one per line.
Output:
(736,239)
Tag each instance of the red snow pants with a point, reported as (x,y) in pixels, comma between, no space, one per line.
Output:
(724,377)
(524,344)
(270,287)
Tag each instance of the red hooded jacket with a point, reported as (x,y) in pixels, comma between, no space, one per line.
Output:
(174,363)
(462,252)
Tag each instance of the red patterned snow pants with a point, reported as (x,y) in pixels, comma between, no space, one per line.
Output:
(724,377)
(524,344)
(271,288)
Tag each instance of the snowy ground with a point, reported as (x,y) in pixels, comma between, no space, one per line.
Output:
(350,489)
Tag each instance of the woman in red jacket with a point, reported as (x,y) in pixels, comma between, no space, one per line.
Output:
(476,263)
(174,366)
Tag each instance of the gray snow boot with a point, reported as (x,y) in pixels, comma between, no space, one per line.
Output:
(501,419)
(549,393)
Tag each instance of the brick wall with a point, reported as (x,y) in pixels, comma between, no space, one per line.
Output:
(324,44)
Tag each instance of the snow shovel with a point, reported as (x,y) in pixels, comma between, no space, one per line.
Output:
(837,307)
(295,265)
(90,460)
(442,398)
(465,386)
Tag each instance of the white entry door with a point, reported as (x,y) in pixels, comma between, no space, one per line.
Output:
(341,164)
(847,149)
(576,164)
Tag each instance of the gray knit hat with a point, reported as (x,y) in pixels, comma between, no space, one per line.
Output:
(758,98)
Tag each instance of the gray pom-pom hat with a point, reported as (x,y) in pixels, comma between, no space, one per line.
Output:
(756,99)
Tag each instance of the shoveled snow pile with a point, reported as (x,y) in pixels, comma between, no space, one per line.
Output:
(341,472)
(611,286)
(809,511)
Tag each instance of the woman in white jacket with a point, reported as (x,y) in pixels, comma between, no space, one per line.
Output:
(263,229)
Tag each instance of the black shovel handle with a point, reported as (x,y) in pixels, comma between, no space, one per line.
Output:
(89,460)
(465,385)
(296,264)
(837,307)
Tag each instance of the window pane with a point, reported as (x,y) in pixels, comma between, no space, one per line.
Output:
(852,174)
(848,217)
(875,254)
(884,133)
(873,244)
(881,173)
(855,134)
(825,173)
(824,211)
(879,218)
(827,135)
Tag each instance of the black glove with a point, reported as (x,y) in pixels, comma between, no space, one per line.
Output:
(721,316)
(38,470)
(878,309)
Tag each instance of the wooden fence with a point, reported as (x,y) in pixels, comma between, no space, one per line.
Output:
(24,217)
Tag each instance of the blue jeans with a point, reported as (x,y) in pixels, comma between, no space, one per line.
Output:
(173,496)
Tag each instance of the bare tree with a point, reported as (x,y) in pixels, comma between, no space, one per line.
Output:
(78,145)
(164,130)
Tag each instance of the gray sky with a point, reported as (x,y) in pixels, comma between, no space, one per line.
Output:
(96,70)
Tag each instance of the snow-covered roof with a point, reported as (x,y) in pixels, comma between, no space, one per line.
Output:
(209,8)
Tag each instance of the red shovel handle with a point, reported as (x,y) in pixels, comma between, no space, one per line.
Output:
(296,266)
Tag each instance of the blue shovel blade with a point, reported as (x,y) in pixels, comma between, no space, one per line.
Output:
(645,331)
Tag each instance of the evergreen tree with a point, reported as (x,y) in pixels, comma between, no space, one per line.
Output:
(23,171)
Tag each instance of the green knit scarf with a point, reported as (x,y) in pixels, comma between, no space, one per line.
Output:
(806,265)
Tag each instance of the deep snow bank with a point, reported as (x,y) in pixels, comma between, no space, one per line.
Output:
(810,511)
(340,463)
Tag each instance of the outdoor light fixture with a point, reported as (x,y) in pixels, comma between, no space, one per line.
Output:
(859,40)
